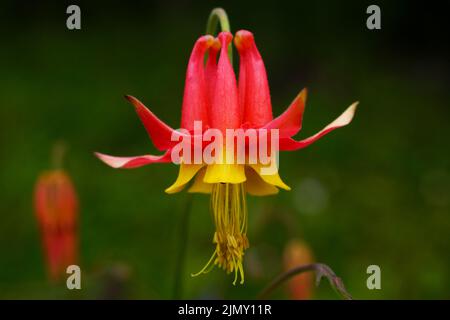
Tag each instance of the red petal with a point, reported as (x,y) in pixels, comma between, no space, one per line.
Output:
(133,162)
(290,121)
(242,83)
(254,93)
(225,112)
(289,144)
(159,132)
(211,69)
(195,99)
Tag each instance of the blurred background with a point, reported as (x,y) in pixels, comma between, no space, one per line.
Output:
(375,192)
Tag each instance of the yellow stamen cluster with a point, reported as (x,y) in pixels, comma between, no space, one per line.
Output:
(230,217)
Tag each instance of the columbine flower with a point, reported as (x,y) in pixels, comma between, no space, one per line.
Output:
(56,208)
(213,96)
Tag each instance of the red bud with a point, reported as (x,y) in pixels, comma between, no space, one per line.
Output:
(56,208)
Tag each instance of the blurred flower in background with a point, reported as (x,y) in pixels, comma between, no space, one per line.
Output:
(56,209)
(297,253)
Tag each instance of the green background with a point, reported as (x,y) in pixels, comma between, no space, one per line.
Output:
(375,192)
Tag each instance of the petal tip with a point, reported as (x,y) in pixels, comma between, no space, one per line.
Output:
(225,38)
(99,155)
(107,160)
(206,40)
(174,189)
(169,190)
(354,105)
(243,39)
(350,113)
(132,99)
(283,185)
(303,95)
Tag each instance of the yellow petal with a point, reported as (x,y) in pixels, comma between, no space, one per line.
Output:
(186,173)
(225,173)
(256,186)
(273,179)
(199,186)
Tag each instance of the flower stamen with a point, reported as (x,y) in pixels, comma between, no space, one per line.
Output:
(229,210)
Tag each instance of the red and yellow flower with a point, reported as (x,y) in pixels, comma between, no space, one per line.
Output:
(215,97)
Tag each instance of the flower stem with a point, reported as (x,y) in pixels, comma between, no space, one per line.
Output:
(184,233)
(218,15)
(59,149)
(321,270)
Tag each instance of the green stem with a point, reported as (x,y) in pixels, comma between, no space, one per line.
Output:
(59,149)
(321,270)
(184,234)
(218,15)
